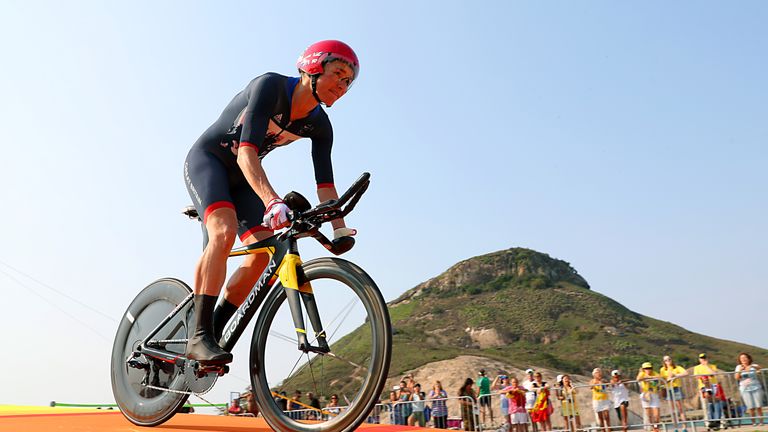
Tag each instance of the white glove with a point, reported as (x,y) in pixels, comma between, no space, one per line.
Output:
(343,232)
(276,215)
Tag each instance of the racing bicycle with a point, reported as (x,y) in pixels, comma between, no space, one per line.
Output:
(152,378)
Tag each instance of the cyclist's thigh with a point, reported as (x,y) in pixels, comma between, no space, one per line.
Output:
(250,214)
(207,182)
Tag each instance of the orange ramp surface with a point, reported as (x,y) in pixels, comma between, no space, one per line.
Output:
(39,419)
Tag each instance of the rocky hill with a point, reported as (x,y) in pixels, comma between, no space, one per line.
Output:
(525,308)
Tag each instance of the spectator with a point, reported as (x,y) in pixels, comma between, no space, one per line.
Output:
(649,396)
(712,401)
(250,403)
(404,397)
(417,405)
(498,384)
(570,408)
(484,395)
(396,409)
(530,394)
(293,405)
(518,415)
(409,382)
(439,409)
(314,403)
(333,406)
(709,390)
(749,387)
(234,407)
(542,408)
(467,401)
(282,401)
(620,396)
(671,373)
(600,402)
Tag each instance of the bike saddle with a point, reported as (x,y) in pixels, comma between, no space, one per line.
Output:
(191,212)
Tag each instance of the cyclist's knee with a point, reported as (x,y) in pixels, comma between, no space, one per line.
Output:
(222,228)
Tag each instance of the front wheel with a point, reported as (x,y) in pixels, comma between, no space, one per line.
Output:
(347,381)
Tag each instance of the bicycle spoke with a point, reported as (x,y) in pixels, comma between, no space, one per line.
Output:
(283,337)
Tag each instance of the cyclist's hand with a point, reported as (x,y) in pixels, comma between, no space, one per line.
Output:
(276,215)
(343,232)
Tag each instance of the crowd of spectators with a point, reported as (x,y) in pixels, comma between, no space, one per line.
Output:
(530,403)
(519,405)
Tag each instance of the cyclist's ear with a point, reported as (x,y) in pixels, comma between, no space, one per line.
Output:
(296,202)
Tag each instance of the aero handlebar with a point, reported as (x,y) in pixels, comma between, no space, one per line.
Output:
(307,223)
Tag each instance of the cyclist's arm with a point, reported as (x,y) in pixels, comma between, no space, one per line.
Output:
(248,160)
(262,96)
(321,159)
(325,193)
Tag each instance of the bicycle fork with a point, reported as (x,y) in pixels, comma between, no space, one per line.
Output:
(298,290)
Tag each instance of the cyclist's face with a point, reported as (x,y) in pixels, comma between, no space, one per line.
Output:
(334,82)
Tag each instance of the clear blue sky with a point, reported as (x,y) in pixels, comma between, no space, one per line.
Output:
(628,139)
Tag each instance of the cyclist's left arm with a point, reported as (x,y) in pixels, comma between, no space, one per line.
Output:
(326,189)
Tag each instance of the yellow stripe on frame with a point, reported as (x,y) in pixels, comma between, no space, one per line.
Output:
(270,250)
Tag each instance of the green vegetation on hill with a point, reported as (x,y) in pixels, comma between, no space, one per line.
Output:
(526,308)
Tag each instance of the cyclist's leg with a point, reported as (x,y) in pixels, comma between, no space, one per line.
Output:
(250,213)
(208,185)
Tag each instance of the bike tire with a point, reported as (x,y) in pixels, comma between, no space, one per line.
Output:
(140,405)
(377,314)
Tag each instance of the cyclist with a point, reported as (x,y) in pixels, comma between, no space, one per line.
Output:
(231,191)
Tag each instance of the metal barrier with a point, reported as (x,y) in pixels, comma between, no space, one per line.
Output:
(643,402)
(688,408)
(716,400)
(685,403)
(461,413)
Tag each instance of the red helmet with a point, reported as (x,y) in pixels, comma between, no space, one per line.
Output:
(312,60)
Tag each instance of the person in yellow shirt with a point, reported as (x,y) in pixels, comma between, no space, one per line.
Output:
(600,401)
(650,382)
(705,368)
(709,390)
(672,373)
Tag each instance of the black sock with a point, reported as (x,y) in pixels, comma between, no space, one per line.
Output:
(221,315)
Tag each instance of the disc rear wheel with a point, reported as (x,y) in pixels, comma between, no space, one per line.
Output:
(138,391)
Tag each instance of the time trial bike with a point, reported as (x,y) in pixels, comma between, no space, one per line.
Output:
(348,354)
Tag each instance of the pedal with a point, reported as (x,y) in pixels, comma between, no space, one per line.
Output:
(137,364)
(203,371)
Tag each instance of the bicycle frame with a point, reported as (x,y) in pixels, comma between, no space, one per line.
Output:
(285,265)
